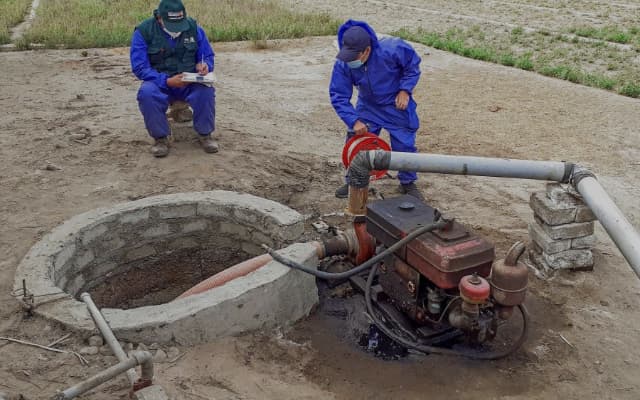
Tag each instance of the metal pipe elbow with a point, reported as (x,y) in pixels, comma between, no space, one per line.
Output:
(578,173)
(145,360)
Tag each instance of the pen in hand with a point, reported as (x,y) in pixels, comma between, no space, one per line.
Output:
(202,70)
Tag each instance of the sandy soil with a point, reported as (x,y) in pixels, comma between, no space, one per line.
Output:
(280,140)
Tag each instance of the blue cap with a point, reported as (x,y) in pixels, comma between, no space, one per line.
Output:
(354,41)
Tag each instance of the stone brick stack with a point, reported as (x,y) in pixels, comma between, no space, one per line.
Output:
(562,233)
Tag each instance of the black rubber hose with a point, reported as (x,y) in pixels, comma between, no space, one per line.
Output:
(438,350)
(365,265)
(373,264)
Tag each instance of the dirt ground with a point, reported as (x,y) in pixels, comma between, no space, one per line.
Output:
(280,140)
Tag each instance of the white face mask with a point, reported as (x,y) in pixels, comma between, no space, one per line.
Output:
(174,35)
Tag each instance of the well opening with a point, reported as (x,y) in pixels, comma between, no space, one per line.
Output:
(161,278)
(136,258)
(151,255)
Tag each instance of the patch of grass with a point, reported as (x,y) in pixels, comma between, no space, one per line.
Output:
(600,81)
(608,34)
(450,42)
(543,57)
(524,62)
(518,31)
(508,60)
(230,20)
(577,76)
(630,89)
(22,44)
(12,12)
(479,53)
(109,23)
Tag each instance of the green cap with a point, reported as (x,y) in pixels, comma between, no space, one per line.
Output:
(174,15)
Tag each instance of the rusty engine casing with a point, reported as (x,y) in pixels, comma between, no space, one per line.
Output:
(430,264)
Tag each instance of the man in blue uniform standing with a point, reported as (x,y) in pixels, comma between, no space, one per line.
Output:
(385,72)
(162,48)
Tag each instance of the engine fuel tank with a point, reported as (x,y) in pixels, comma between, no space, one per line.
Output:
(443,256)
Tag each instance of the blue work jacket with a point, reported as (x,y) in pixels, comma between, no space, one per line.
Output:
(393,65)
(141,66)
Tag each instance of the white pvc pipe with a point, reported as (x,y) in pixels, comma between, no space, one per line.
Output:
(480,166)
(138,358)
(616,224)
(108,335)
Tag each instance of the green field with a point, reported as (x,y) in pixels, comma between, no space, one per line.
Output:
(11,13)
(109,23)
(605,58)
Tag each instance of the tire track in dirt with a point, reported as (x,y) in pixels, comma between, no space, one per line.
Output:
(620,5)
(543,8)
(581,3)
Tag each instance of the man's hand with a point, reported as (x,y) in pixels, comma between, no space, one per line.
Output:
(202,68)
(176,82)
(402,100)
(360,128)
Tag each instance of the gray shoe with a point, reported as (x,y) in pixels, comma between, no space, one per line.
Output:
(208,144)
(411,190)
(160,148)
(342,192)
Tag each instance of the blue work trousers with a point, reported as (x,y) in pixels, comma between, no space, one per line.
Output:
(154,102)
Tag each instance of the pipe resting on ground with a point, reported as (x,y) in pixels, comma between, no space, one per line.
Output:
(142,358)
(623,234)
(108,335)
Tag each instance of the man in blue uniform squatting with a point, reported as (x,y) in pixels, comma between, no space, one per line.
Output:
(385,71)
(162,48)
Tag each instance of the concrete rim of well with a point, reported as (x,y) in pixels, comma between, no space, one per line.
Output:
(243,305)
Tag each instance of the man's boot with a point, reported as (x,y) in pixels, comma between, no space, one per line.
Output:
(208,144)
(343,191)
(161,147)
(411,190)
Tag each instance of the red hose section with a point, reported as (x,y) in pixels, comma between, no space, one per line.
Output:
(228,274)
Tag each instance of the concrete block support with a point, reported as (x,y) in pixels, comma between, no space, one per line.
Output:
(562,231)
(585,242)
(550,211)
(570,259)
(584,214)
(560,193)
(567,231)
(546,242)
